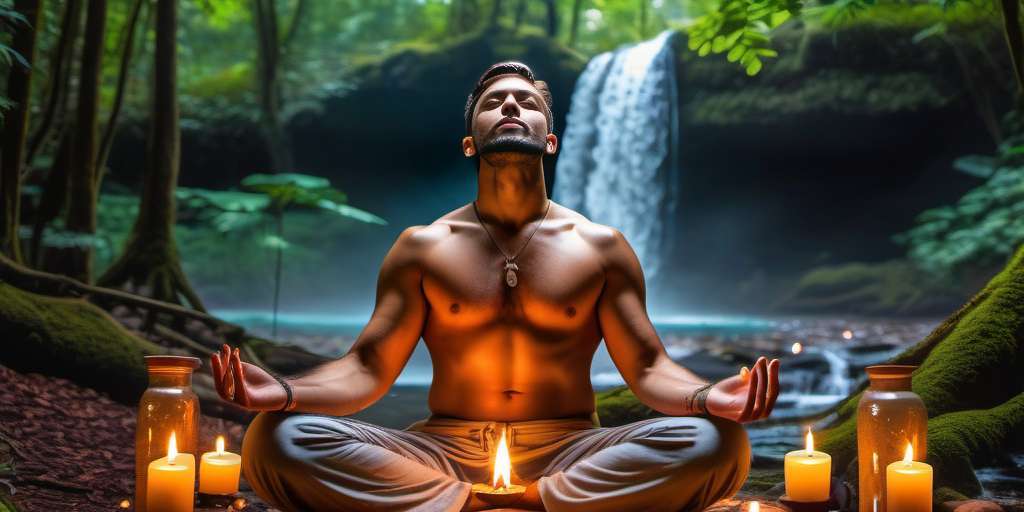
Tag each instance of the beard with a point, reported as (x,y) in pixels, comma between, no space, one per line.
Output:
(513,144)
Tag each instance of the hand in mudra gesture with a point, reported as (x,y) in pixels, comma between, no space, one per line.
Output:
(748,396)
(245,384)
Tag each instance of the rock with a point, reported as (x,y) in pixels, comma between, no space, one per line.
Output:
(971,506)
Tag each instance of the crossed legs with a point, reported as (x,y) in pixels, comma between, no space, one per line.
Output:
(323,463)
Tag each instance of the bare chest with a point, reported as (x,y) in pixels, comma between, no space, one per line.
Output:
(553,283)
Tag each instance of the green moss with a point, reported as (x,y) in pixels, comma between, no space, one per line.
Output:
(762,480)
(969,379)
(233,82)
(838,91)
(888,288)
(959,439)
(619,406)
(74,339)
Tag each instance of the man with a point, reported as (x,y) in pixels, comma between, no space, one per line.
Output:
(512,295)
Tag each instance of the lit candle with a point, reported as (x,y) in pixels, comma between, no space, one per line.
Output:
(170,481)
(755,506)
(218,471)
(508,493)
(908,484)
(808,474)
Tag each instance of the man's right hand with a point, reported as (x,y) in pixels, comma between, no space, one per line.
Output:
(245,384)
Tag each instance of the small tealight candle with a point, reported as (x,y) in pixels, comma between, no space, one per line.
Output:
(508,493)
(908,484)
(218,471)
(171,481)
(808,474)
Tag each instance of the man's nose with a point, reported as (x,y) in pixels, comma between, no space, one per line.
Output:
(510,108)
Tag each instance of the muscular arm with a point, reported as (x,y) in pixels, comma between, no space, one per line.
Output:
(632,342)
(359,378)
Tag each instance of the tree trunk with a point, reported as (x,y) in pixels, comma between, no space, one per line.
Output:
(574,22)
(269,58)
(60,70)
(495,17)
(19,86)
(128,44)
(52,200)
(150,262)
(81,215)
(1015,43)
(552,18)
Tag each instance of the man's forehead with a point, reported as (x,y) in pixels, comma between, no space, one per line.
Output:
(509,81)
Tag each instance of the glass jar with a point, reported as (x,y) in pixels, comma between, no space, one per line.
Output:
(168,405)
(889,415)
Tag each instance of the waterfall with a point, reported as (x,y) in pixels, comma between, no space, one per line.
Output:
(618,162)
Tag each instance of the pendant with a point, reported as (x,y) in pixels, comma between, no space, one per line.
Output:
(511,279)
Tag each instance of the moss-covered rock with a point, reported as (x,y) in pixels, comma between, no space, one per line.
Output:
(74,339)
(894,287)
(619,406)
(970,379)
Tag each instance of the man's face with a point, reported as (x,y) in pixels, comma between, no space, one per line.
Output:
(509,121)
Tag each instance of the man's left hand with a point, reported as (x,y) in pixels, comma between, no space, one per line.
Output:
(748,396)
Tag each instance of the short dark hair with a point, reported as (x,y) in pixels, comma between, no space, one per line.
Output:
(505,68)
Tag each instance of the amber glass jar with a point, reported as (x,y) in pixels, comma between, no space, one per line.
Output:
(168,405)
(889,415)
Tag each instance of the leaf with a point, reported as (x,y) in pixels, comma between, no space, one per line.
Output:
(351,212)
(259,181)
(754,67)
(976,165)
(736,53)
(934,30)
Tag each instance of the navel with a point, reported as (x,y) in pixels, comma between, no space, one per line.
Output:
(570,311)
(454,308)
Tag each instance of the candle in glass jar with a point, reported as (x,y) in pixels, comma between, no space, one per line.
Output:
(218,471)
(908,485)
(170,481)
(808,474)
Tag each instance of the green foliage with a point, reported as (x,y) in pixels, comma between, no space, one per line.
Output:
(301,190)
(740,28)
(984,227)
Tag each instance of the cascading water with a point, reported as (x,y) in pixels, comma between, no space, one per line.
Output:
(618,164)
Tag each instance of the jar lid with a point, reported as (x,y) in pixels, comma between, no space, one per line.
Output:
(890,371)
(173,361)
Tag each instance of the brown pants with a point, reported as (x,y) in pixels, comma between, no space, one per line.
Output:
(323,463)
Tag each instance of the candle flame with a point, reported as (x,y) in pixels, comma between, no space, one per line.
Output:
(172,449)
(502,465)
(847,334)
(220,445)
(809,441)
(908,455)
(798,347)
(755,506)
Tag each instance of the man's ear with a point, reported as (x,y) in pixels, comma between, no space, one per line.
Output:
(468,148)
(551,144)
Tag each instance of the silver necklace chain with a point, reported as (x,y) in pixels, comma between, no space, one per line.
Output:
(511,278)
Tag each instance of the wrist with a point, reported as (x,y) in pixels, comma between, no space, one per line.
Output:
(289,403)
(698,403)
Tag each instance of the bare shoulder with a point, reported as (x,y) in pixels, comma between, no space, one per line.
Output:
(419,238)
(602,238)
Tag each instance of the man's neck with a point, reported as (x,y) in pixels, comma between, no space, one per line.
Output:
(510,189)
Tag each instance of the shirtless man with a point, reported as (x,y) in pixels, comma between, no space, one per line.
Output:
(512,295)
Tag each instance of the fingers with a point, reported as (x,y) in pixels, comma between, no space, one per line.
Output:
(241,397)
(773,387)
(227,379)
(761,370)
(216,370)
(748,405)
